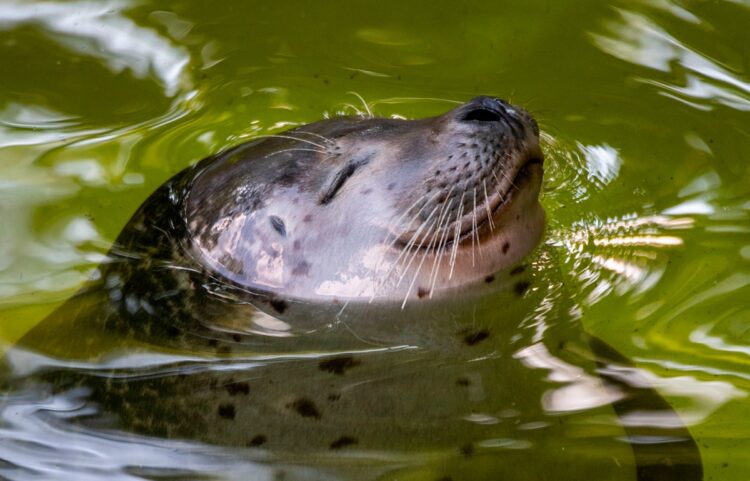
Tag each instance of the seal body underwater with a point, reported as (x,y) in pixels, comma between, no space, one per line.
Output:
(356,286)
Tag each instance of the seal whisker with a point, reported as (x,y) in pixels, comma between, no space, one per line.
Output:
(398,100)
(441,247)
(475,231)
(497,180)
(456,234)
(323,137)
(487,206)
(367,107)
(414,256)
(502,172)
(440,229)
(380,281)
(291,137)
(406,249)
(412,242)
(295,150)
(421,263)
(395,224)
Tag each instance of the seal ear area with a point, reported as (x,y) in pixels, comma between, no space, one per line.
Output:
(338,180)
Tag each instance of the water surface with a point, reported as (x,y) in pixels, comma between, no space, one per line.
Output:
(644,106)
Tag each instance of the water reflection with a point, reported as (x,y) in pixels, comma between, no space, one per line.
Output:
(661,270)
(89,42)
(98,29)
(697,79)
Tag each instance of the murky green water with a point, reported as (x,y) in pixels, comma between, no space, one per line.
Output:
(645,108)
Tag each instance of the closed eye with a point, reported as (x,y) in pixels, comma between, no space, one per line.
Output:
(340,179)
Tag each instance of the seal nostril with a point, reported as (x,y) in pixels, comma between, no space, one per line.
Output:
(483,115)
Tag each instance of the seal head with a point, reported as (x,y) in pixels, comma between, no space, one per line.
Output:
(372,211)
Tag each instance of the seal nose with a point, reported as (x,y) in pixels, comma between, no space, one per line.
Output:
(488,109)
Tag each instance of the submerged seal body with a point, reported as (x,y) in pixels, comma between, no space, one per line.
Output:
(358,285)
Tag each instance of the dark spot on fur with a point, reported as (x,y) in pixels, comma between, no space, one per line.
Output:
(307,218)
(213,342)
(236,337)
(463,382)
(305,408)
(334,397)
(343,441)
(227,411)
(258,440)
(506,246)
(278,225)
(421,292)
(472,338)
(518,270)
(467,450)
(279,305)
(297,244)
(367,191)
(301,269)
(521,287)
(391,185)
(489,279)
(237,388)
(338,365)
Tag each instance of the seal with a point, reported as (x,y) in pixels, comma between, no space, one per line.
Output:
(399,230)
(369,212)
(348,219)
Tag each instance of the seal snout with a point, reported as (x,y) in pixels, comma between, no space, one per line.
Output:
(489,153)
(491,109)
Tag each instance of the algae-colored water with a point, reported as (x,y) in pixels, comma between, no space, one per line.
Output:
(645,110)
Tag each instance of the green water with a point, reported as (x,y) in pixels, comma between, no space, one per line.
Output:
(645,108)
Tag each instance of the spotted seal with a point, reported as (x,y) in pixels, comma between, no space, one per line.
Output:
(369,213)
(340,285)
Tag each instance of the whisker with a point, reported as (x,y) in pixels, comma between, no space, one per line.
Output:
(331,141)
(414,255)
(457,232)
(295,150)
(367,107)
(502,172)
(412,243)
(419,268)
(398,236)
(380,281)
(487,205)
(443,211)
(475,231)
(439,253)
(399,100)
(358,112)
(405,250)
(474,227)
(290,137)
